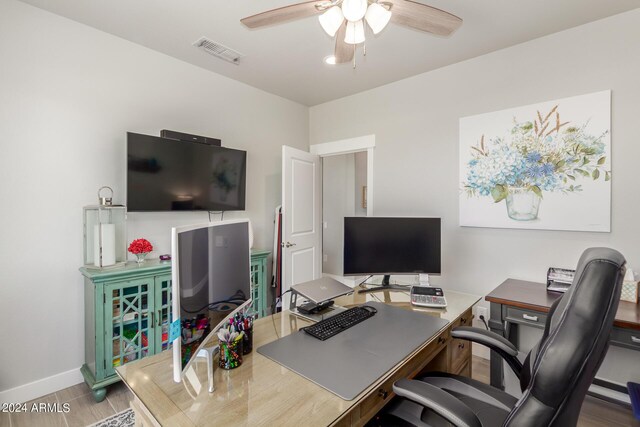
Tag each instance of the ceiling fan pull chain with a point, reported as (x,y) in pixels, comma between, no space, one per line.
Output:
(354,56)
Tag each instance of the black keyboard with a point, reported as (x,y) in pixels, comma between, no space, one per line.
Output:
(327,328)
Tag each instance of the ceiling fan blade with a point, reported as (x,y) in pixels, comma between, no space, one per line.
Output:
(423,17)
(344,51)
(283,14)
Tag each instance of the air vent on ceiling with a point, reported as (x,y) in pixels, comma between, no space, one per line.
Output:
(218,50)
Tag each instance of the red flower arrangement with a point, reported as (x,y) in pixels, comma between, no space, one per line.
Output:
(140,246)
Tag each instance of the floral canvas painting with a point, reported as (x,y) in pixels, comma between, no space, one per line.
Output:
(542,166)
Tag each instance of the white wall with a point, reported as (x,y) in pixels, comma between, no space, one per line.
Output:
(416,126)
(68,95)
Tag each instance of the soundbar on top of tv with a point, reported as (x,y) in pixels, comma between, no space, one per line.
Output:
(179,136)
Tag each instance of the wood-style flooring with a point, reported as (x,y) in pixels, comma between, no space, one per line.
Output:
(84,411)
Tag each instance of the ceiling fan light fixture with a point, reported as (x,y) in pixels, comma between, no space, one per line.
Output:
(355,32)
(377,17)
(354,10)
(330,60)
(331,20)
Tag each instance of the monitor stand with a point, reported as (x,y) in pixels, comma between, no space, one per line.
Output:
(330,311)
(385,286)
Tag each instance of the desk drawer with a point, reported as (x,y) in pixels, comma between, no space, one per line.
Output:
(459,354)
(464,320)
(460,350)
(628,338)
(372,404)
(527,317)
(464,370)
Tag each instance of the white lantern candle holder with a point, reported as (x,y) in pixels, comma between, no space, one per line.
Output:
(105,233)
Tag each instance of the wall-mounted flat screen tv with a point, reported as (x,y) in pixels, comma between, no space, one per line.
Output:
(170,175)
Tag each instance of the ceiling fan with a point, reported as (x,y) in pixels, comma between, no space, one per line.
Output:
(346,19)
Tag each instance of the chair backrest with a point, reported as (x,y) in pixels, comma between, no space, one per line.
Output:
(560,368)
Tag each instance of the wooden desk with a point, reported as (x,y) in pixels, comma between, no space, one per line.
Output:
(262,392)
(518,302)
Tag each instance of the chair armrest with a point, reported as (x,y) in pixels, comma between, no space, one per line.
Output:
(486,338)
(495,342)
(437,400)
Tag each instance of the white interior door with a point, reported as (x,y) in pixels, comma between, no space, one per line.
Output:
(301,218)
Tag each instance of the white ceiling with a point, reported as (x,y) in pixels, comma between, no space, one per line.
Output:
(287,59)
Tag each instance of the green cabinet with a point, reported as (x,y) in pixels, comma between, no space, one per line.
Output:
(128,315)
(163,311)
(259,281)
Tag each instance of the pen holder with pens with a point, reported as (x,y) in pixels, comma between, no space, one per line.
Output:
(231,353)
(247,340)
(236,339)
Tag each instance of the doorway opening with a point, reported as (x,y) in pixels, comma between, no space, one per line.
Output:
(347,190)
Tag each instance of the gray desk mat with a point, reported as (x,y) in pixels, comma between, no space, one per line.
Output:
(347,363)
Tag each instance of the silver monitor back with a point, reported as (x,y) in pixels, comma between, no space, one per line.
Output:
(211,276)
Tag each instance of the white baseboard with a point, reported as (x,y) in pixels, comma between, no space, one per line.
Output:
(33,390)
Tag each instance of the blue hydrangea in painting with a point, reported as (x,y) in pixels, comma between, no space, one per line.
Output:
(543,155)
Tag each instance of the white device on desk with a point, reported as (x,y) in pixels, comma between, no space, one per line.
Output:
(426,296)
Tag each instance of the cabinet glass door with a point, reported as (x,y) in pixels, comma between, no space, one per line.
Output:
(128,322)
(256,292)
(163,315)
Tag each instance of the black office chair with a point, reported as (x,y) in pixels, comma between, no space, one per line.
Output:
(555,376)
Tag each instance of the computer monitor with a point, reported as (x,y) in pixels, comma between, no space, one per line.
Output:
(211,282)
(377,245)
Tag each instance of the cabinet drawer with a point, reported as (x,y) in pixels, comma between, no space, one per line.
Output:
(528,317)
(372,404)
(625,338)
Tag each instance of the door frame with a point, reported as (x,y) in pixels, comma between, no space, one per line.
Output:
(347,146)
